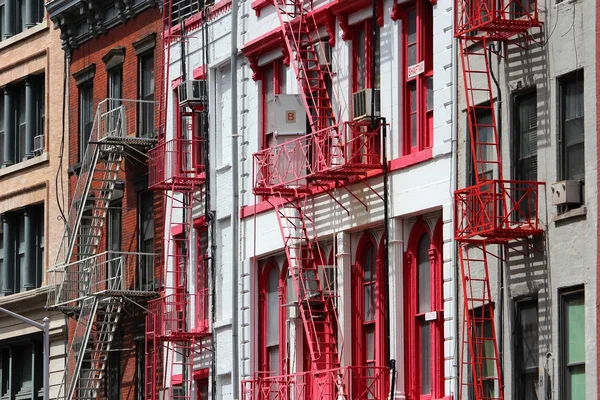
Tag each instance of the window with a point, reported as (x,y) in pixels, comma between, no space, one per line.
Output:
(272,292)
(485,153)
(526,350)
(113,368)
(482,333)
(20,368)
(23,249)
(525,140)
(524,7)
(417,72)
(202,388)
(572,341)
(146,93)
(368,347)
(115,216)
(273,83)
(86,116)
(21,17)
(146,240)
(424,339)
(571,130)
(363,65)
(115,86)
(203,287)
(17,128)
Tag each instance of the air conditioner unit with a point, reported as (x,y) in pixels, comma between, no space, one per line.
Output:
(193,93)
(323,53)
(362,103)
(566,192)
(38,144)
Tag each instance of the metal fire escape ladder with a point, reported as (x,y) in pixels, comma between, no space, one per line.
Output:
(493,211)
(316,310)
(99,345)
(480,349)
(480,100)
(96,319)
(300,33)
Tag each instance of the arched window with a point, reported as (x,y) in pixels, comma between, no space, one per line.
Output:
(424,319)
(368,312)
(272,315)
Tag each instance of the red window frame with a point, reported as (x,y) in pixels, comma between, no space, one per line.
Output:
(202,283)
(364,43)
(263,317)
(179,280)
(414,319)
(360,326)
(417,111)
(276,72)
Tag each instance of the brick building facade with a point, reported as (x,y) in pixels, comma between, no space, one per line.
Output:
(116,222)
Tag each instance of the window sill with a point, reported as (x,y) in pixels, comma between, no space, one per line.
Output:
(32,162)
(24,35)
(411,159)
(39,294)
(574,213)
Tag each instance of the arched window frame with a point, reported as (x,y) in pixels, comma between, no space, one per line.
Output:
(263,357)
(358,342)
(413,355)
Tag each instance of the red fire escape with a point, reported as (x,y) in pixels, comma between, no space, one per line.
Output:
(493,211)
(286,174)
(173,340)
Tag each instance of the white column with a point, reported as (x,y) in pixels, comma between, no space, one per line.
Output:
(344,271)
(396,290)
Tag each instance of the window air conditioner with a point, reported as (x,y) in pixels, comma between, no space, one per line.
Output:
(192,93)
(38,144)
(362,103)
(566,192)
(323,50)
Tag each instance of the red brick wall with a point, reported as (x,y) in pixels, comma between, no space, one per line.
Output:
(92,52)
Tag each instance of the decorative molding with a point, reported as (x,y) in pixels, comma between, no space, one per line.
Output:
(258,5)
(114,57)
(253,63)
(330,27)
(343,21)
(145,44)
(85,74)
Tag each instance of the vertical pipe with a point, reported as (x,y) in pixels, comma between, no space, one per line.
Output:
(454,186)
(46,362)
(235,380)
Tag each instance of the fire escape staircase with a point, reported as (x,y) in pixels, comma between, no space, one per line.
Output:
(317,310)
(300,32)
(97,317)
(493,211)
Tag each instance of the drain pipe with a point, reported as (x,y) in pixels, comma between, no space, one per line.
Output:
(454,186)
(235,372)
(500,325)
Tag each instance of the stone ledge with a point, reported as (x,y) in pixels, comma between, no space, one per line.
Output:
(32,162)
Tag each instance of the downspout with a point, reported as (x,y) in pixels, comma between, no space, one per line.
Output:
(500,319)
(381,122)
(454,186)
(235,373)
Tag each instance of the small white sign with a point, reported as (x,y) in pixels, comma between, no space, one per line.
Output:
(431,316)
(416,69)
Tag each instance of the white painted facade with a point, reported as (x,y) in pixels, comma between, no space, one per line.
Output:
(420,190)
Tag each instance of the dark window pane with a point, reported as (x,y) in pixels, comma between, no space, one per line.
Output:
(424,278)
(425,357)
